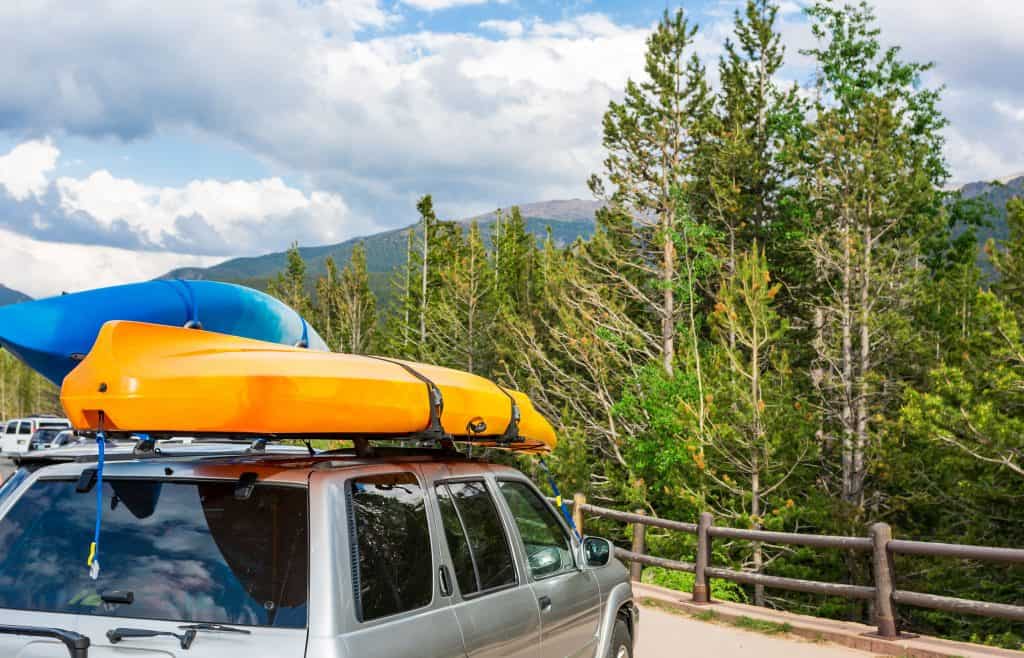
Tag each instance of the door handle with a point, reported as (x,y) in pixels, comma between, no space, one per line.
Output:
(446,583)
(545,603)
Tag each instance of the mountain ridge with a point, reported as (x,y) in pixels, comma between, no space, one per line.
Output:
(566,219)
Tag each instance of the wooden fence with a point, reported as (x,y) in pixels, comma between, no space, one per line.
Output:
(880,544)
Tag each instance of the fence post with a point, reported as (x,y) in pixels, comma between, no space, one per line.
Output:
(881,564)
(578,501)
(701,586)
(639,546)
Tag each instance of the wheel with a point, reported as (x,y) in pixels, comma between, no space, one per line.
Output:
(622,644)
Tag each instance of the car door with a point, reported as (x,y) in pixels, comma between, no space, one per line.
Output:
(494,603)
(10,433)
(400,609)
(24,436)
(568,597)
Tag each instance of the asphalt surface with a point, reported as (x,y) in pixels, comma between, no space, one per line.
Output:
(668,635)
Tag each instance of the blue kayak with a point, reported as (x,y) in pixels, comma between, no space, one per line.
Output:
(52,335)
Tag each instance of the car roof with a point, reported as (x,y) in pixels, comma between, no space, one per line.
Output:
(291,467)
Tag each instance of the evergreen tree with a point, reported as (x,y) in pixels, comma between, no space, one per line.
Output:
(289,286)
(873,169)
(356,305)
(651,137)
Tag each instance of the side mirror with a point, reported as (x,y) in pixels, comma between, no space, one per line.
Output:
(596,551)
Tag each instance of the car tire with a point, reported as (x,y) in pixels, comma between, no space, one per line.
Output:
(621,645)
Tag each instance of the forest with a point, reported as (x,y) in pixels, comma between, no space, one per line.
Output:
(781,318)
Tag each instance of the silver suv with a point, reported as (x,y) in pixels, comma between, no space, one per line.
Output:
(412,553)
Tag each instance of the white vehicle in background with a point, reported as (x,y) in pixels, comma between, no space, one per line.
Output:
(17,433)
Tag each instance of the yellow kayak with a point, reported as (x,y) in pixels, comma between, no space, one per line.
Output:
(152,378)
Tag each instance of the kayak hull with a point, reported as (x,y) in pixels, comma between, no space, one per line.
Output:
(52,335)
(161,379)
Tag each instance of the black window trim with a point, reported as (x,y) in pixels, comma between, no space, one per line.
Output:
(575,567)
(504,529)
(353,547)
(195,480)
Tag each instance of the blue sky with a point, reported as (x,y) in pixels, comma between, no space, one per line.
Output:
(169,134)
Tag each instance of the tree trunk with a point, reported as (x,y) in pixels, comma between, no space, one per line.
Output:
(755,449)
(864,368)
(668,271)
(848,489)
(423,286)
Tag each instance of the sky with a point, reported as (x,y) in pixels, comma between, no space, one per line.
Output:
(139,137)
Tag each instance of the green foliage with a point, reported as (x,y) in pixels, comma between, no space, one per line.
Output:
(780,318)
(682,581)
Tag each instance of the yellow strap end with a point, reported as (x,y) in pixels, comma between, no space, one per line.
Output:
(558,501)
(92,554)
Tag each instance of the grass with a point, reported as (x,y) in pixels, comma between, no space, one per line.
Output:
(745,623)
(761,626)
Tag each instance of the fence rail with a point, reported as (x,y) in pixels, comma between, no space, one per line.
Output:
(879,544)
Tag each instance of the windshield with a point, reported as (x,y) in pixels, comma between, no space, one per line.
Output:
(189,552)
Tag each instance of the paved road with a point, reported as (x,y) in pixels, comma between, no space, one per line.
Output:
(6,468)
(667,635)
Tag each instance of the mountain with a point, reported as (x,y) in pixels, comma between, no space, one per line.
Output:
(8,296)
(998,193)
(565,219)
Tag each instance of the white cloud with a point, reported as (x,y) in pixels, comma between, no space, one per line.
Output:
(511,29)
(41,269)
(201,217)
(1014,113)
(437,5)
(24,170)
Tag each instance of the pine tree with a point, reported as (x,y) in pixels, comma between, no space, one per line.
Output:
(462,317)
(651,137)
(356,304)
(874,166)
(1008,258)
(328,305)
(742,180)
(289,286)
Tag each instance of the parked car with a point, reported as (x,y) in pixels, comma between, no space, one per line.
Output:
(405,553)
(51,437)
(17,433)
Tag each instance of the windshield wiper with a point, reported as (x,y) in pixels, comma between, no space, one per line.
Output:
(220,628)
(115,635)
(76,644)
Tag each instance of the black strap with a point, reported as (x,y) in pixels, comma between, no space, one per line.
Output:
(511,433)
(434,428)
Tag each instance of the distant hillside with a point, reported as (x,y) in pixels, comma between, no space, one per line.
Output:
(8,296)
(998,195)
(567,220)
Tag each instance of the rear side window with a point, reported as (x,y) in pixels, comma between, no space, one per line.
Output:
(11,428)
(25,428)
(476,539)
(188,552)
(391,551)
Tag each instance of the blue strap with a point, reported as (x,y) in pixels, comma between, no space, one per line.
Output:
(94,550)
(558,499)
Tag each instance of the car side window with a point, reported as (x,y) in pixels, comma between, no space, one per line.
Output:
(391,549)
(25,428)
(11,427)
(481,555)
(548,546)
